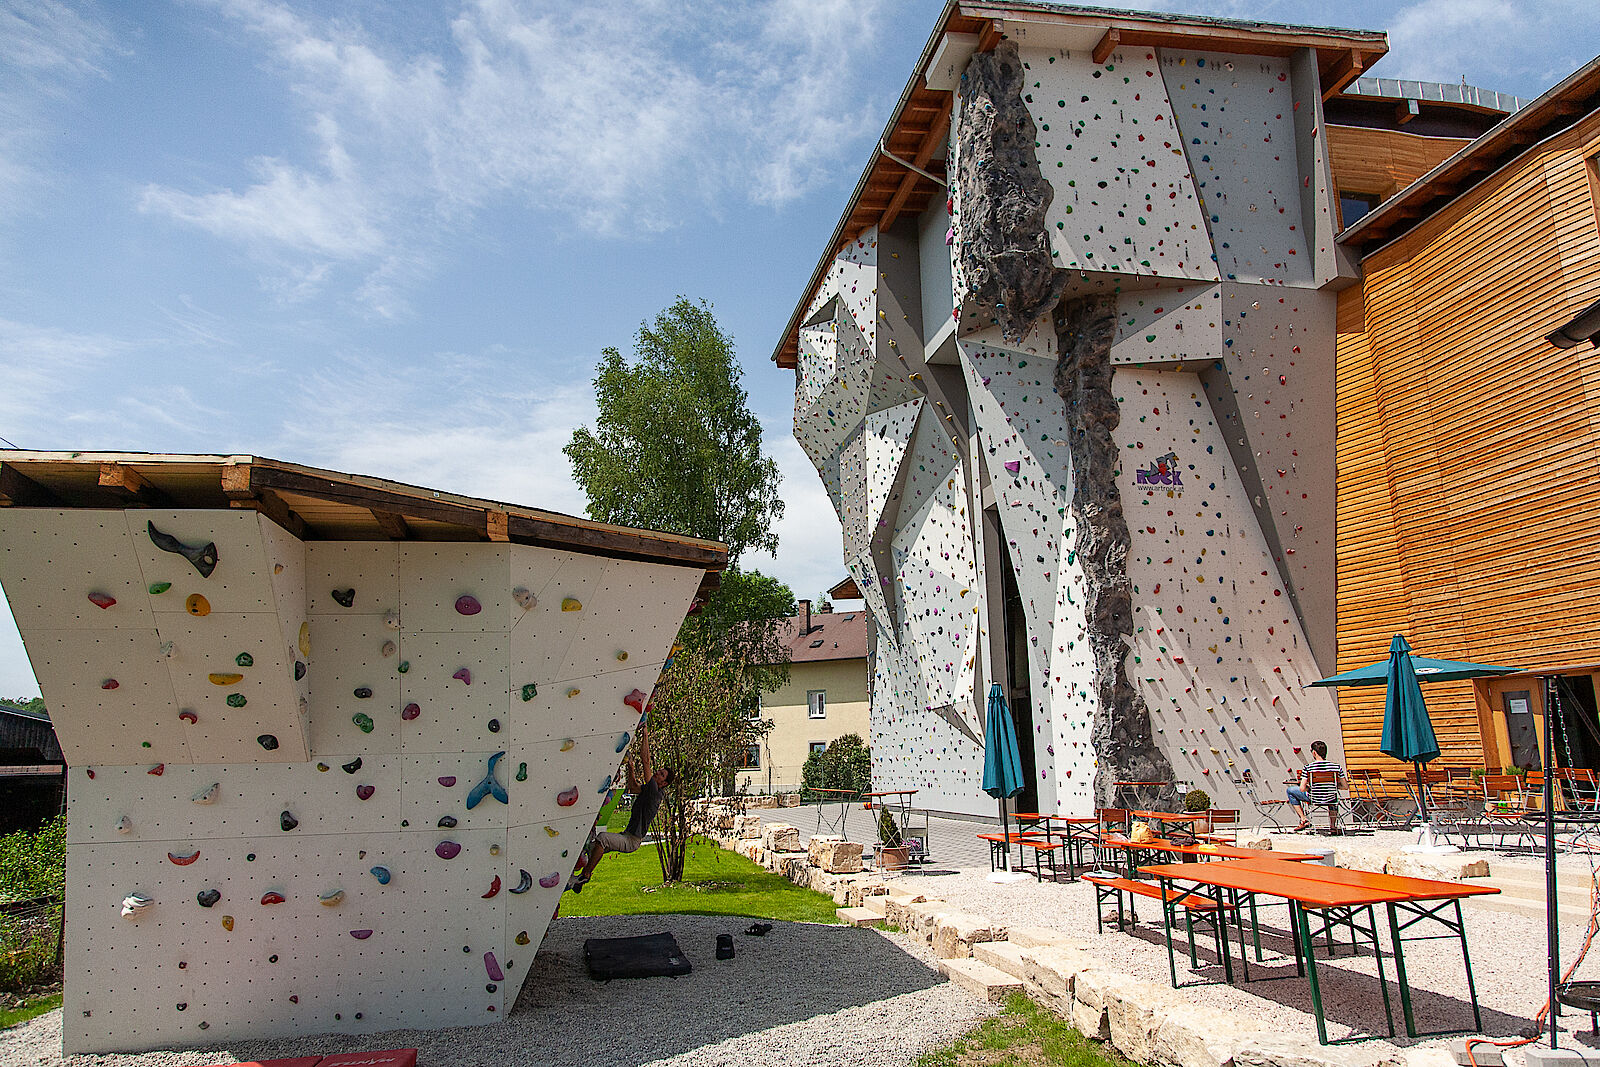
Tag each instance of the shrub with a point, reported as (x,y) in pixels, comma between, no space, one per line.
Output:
(845,764)
(28,949)
(888,831)
(33,864)
(1197,800)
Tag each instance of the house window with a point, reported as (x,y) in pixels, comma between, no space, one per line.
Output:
(819,746)
(752,758)
(817,703)
(1354,205)
(754,711)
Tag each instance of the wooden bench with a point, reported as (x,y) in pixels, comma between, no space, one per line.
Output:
(1197,908)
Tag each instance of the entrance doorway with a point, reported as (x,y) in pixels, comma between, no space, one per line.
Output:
(1019,692)
(1513,719)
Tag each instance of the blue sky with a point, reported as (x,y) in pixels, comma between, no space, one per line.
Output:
(395,239)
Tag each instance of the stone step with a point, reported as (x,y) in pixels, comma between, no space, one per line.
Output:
(878,905)
(859,917)
(1040,936)
(980,979)
(1001,955)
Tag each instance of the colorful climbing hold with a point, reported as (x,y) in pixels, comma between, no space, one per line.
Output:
(382,875)
(197,605)
(363,721)
(571,604)
(409,712)
(525,600)
(236,700)
(447,822)
(522,772)
(490,786)
(550,880)
(110,683)
(622,655)
(209,794)
(273,897)
(185,860)
(287,820)
(134,903)
(574,691)
(447,850)
(605,785)
(567,797)
(204,557)
(404,666)
(494,888)
(622,742)
(468,605)
(463,675)
(524,882)
(389,648)
(492,967)
(567,744)
(158,769)
(299,670)
(364,792)
(157,588)
(245,659)
(529,691)
(227,922)
(352,767)
(636,699)
(522,937)
(344,597)
(188,716)
(208,897)
(360,935)
(102,600)
(305,639)
(551,831)
(333,899)
(224,679)
(447,780)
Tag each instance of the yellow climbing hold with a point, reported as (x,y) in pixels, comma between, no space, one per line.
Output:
(522,938)
(552,831)
(573,692)
(333,899)
(227,922)
(494,850)
(197,605)
(567,744)
(571,604)
(622,655)
(225,679)
(305,639)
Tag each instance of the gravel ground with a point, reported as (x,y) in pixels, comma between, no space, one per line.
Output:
(804,994)
(1507,962)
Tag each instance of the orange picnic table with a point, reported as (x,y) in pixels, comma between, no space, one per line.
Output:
(1338,896)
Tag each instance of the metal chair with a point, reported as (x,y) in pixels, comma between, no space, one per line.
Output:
(1224,825)
(1334,806)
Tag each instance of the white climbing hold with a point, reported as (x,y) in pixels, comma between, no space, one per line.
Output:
(388,649)
(209,794)
(525,600)
(391,619)
(124,825)
(134,903)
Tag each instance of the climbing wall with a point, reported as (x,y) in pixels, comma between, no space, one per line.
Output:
(1125,200)
(325,787)
(1219,654)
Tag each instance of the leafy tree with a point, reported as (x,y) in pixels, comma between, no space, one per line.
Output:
(676,446)
(34,704)
(845,764)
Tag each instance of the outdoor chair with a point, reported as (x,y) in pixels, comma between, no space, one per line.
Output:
(1334,806)
(1582,787)
(1224,826)
(1375,802)
(1112,821)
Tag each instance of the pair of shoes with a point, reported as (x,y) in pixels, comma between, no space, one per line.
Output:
(724,946)
(576,883)
(759,929)
(1304,824)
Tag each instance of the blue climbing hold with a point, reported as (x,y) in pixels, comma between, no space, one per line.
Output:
(382,875)
(490,786)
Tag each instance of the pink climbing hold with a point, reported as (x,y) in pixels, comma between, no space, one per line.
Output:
(492,966)
(409,712)
(448,780)
(1013,466)
(463,675)
(360,935)
(102,600)
(567,797)
(364,792)
(549,881)
(447,850)
(468,605)
(636,699)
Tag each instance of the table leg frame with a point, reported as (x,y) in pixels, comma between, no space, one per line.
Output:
(1418,911)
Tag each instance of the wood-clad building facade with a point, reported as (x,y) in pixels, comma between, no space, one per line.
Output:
(1468,514)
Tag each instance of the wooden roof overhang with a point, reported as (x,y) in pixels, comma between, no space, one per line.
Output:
(1574,97)
(316,504)
(920,122)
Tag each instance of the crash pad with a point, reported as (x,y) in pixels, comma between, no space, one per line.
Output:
(644,956)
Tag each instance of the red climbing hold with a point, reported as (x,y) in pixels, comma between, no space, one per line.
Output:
(463,675)
(109,683)
(468,605)
(409,712)
(184,861)
(273,898)
(188,716)
(567,797)
(494,888)
(160,768)
(636,699)
(102,600)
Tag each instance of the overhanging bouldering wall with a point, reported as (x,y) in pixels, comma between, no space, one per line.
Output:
(333,786)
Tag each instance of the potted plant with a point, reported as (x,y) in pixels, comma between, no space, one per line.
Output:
(1197,800)
(893,855)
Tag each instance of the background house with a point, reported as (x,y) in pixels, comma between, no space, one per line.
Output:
(826,697)
(33,774)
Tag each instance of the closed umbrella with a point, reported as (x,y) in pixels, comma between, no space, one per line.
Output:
(1002,766)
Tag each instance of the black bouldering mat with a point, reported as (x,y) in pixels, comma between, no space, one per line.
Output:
(645,956)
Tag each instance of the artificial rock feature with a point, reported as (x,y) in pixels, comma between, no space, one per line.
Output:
(1004,255)
(1121,735)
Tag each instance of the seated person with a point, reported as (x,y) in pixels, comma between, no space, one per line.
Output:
(1303,792)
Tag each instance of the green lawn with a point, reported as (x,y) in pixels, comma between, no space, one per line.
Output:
(1023,1035)
(35,1006)
(716,882)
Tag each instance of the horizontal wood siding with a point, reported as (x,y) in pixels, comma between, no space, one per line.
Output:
(1468,447)
(1366,160)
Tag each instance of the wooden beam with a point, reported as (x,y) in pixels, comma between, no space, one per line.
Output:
(930,144)
(547,534)
(1346,69)
(394,526)
(272,506)
(19,490)
(1108,44)
(1406,110)
(128,483)
(236,481)
(499,526)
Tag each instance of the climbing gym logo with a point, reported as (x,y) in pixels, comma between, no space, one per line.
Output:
(1161,472)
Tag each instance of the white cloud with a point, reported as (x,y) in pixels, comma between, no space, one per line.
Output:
(617,115)
(46,48)
(41,366)
(1492,43)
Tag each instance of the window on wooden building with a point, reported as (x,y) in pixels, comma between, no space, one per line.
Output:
(1353,205)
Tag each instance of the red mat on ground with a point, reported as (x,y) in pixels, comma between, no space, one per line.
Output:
(394,1057)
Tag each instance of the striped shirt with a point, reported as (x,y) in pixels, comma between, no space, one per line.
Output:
(1322,792)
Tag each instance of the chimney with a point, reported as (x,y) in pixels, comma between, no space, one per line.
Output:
(805,612)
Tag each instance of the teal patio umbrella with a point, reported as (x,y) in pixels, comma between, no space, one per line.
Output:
(1002,766)
(1407,730)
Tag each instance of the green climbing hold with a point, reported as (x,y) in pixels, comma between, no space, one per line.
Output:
(530,691)
(245,659)
(362,720)
(236,700)
(157,588)
(522,772)
(405,665)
